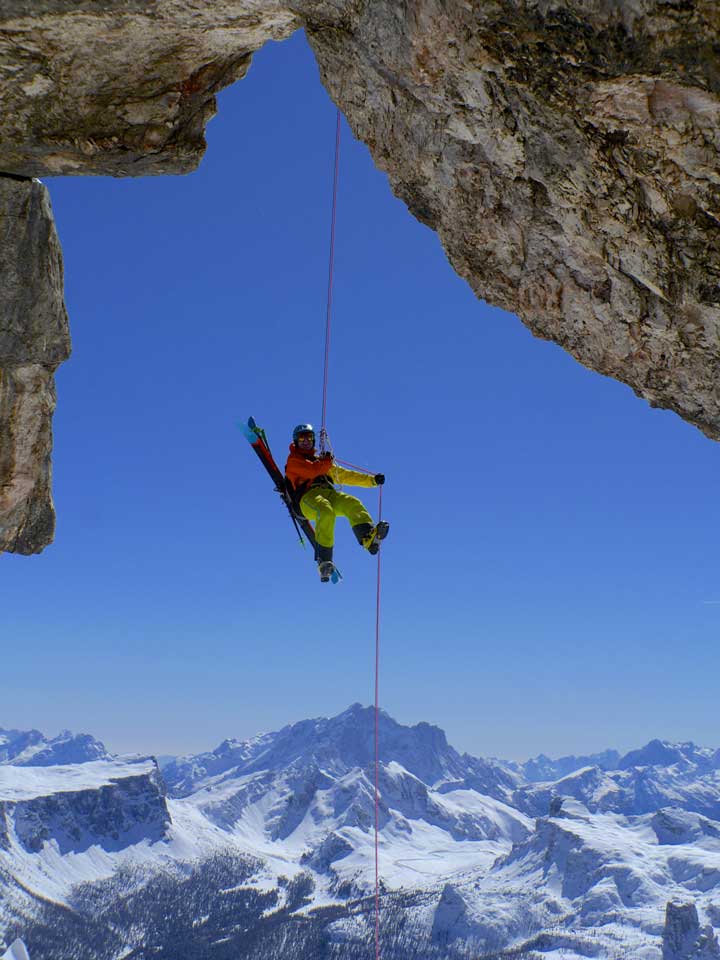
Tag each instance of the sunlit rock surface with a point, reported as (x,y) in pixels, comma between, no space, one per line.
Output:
(567,154)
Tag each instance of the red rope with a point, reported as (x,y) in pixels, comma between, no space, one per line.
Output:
(377,740)
(354,466)
(331,269)
(323,447)
(377,715)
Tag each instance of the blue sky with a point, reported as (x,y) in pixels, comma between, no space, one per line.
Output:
(551,577)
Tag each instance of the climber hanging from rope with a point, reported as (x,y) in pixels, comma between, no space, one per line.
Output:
(308,491)
(312,479)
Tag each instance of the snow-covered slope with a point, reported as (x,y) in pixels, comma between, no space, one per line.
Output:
(325,821)
(257,835)
(591,885)
(62,825)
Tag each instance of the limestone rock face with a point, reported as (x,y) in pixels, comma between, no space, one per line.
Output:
(121,87)
(567,152)
(34,339)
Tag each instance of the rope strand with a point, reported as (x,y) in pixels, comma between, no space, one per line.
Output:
(324,445)
(377,739)
(354,466)
(331,269)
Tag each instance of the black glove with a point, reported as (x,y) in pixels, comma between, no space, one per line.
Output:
(379,479)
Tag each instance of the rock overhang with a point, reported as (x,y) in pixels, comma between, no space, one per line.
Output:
(568,155)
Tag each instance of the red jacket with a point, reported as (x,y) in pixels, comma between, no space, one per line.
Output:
(301,469)
(305,471)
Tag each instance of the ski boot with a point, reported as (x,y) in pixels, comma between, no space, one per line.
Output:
(324,557)
(369,537)
(379,533)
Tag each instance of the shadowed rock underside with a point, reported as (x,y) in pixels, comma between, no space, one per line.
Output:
(34,339)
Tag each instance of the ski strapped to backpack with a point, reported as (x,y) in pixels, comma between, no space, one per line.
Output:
(259,442)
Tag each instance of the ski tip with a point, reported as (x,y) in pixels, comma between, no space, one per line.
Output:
(249,429)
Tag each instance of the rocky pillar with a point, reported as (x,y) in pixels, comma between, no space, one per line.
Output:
(34,340)
(682,937)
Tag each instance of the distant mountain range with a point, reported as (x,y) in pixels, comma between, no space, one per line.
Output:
(29,748)
(264,848)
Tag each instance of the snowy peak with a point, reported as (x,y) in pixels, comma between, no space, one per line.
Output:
(542,768)
(338,744)
(662,753)
(32,749)
(310,788)
(475,859)
(348,740)
(591,785)
(656,753)
(660,774)
(15,743)
(632,792)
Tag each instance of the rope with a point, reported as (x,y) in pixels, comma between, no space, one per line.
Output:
(325,445)
(353,466)
(377,739)
(331,268)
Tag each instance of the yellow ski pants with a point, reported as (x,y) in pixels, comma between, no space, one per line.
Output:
(324,504)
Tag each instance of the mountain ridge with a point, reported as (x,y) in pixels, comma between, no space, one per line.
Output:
(475,860)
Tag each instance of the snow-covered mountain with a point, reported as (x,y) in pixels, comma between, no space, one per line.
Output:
(30,748)
(543,768)
(108,804)
(265,848)
(689,779)
(340,744)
